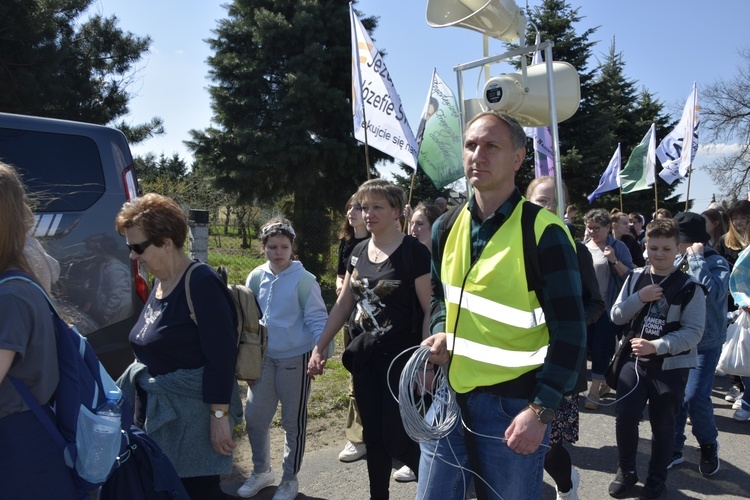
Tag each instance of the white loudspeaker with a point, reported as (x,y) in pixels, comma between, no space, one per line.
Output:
(501,19)
(530,104)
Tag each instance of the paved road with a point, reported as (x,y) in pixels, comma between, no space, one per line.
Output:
(324,477)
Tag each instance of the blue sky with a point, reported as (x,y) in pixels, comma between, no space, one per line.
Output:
(666,45)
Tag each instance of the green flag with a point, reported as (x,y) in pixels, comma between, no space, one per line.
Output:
(640,170)
(440,152)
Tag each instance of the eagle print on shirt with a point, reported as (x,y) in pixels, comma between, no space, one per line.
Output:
(370,307)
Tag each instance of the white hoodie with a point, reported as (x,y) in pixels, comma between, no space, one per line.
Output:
(291,330)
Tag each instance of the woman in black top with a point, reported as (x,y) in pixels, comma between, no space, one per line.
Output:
(388,281)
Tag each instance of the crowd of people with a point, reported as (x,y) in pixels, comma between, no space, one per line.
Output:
(510,303)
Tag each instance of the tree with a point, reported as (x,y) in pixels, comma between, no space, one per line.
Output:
(56,65)
(281,74)
(625,115)
(424,190)
(556,21)
(726,114)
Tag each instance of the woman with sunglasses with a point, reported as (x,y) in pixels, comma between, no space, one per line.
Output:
(182,381)
(612,263)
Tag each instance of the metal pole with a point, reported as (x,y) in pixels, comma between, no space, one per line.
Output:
(553,128)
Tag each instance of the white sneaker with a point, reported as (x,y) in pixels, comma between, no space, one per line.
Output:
(255,483)
(737,404)
(287,490)
(404,475)
(575,478)
(352,452)
(741,415)
(733,395)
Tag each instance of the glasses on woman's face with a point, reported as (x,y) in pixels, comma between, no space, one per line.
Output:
(139,248)
(593,229)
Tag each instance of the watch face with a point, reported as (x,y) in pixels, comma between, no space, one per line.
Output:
(546,416)
(218,413)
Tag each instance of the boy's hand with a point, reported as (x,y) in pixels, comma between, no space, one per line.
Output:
(642,347)
(650,293)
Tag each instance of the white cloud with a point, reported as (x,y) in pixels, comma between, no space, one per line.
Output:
(715,150)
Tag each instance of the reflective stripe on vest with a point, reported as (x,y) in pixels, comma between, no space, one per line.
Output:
(495,355)
(500,329)
(494,310)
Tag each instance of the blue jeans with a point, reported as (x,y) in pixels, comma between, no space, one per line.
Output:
(698,403)
(746,394)
(448,465)
(601,337)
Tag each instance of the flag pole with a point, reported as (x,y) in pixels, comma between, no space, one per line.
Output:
(687,195)
(359,82)
(411,191)
(656,197)
(620,199)
(367,147)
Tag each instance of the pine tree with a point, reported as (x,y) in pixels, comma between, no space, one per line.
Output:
(556,21)
(57,65)
(281,74)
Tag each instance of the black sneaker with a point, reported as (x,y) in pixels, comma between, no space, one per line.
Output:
(623,484)
(709,459)
(652,489)
(676,460)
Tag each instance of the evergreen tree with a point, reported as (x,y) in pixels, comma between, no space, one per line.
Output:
(57,65)
(423,190)
(281,74)
(625,117)
(556,21)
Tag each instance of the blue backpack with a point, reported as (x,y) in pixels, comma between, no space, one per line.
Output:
(83,387)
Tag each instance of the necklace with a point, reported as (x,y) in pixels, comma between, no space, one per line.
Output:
(377,255)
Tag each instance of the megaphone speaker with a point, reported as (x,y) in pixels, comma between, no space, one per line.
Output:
(501,19)
(529,104)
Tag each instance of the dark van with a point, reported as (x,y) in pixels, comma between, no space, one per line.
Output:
(79,175)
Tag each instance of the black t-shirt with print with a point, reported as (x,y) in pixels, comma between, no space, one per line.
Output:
(386,302)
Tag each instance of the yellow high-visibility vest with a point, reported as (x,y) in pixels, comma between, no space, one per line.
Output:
(501,331)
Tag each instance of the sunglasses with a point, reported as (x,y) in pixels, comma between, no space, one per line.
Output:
(139,248)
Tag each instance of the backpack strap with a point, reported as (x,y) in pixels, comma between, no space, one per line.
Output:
(188,296)
(303,287)
(44,417)
(445,223)
(534,278)
(253,281)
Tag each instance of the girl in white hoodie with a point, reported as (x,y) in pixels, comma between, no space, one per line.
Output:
(294,314)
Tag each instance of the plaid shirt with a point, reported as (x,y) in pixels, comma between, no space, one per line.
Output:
(562,305)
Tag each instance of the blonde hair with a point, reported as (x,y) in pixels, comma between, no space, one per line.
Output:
(16,218)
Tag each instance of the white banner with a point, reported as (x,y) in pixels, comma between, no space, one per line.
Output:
(379,118)
(677,150)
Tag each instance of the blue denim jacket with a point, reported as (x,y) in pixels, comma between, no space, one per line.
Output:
(712,271)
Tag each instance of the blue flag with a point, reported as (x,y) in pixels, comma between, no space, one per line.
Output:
(610,178)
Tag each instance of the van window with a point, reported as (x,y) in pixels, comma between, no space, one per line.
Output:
(52,172)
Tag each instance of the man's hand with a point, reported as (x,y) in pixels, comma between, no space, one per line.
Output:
(438,349)
(525,432)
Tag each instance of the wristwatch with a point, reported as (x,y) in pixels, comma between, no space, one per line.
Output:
(545,415)
(219,413)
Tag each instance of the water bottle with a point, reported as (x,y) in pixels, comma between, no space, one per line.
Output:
(104,441)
